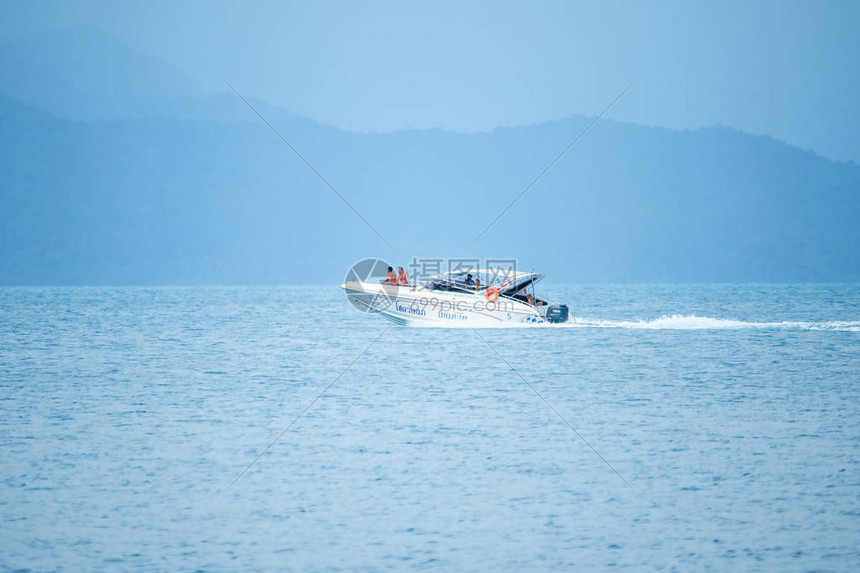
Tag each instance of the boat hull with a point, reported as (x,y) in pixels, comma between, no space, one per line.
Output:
(417,306)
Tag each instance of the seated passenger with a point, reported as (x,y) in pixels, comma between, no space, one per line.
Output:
(530,299)
(477,283)
(391,279)
(469,282)
(402,277)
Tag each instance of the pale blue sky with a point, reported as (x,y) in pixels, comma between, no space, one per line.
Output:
(785,69)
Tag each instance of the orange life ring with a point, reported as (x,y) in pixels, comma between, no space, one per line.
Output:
(492,294)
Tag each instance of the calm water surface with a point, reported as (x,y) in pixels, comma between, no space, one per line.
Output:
(732,411)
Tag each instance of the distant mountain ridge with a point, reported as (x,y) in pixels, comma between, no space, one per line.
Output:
(184,187)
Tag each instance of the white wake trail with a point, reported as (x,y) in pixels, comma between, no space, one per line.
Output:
(695,322)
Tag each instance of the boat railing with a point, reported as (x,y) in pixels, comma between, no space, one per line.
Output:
(441,285)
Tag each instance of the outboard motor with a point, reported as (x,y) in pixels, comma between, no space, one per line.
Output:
(557,313)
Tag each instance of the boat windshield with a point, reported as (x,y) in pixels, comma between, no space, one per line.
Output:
(473,281)
(447,284)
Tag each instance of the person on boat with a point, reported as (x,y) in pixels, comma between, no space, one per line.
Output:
(469,282)
(392,278)
(477,283)
(402,277)
(530,298)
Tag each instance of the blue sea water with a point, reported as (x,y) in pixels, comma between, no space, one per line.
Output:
(732,412)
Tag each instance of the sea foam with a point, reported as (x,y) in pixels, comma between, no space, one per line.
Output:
(695,322)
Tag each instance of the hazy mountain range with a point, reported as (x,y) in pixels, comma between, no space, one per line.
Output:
(117,169)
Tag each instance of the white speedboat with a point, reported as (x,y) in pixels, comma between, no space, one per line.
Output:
(478,298)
